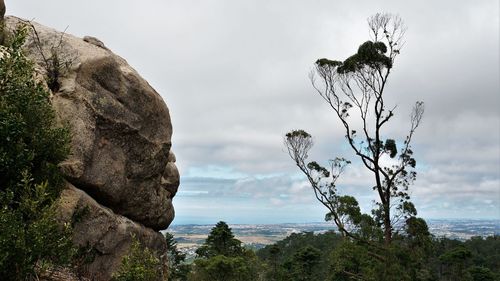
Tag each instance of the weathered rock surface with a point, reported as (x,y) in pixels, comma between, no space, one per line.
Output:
(121,129)
(108,234)
(121,165)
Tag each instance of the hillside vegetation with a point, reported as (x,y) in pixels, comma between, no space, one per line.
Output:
(31,145)
(309,256)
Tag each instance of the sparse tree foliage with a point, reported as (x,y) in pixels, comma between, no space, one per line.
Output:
(355,90)
(54,62)
(356,86)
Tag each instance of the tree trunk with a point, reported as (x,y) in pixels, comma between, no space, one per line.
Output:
(387,225)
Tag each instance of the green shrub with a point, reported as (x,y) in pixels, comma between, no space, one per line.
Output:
(31,146)
(29,138)
(31,239)
(139,265)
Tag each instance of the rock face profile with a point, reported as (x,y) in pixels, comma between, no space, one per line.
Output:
(121,174)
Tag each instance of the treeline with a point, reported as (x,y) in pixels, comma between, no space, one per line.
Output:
(475,259)
(308,256)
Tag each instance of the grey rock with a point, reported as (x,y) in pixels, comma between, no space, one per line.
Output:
(109,234)
(121,170)
(95,41)
(121,129)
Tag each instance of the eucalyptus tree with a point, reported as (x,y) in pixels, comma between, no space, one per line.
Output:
(355,89)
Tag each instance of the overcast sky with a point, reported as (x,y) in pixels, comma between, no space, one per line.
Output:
(235,77)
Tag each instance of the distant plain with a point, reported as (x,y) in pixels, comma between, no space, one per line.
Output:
(191,236)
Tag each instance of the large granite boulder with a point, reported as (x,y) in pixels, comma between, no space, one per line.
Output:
(105,236)
(121,164)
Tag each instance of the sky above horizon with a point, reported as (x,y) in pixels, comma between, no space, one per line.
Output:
(234,75)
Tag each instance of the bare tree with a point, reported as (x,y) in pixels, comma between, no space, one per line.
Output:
(354,88)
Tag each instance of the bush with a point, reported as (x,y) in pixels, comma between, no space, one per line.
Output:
(31,239)
(139,265)
(31,146)
(29,139)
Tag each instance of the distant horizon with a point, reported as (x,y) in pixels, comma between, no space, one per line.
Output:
(325,222)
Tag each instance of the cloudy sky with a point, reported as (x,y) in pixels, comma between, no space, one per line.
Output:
(235,77)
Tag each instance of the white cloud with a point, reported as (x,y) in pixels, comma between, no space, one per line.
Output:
(234,75)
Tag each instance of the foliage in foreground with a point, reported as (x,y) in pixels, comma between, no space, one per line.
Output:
(139,265)
(31,146)
(31,240)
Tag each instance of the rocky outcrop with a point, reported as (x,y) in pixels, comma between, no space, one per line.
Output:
(106,235)
(121,167)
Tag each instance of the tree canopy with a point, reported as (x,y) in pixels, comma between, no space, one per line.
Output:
(222,257)
(445,259)
(220,241)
